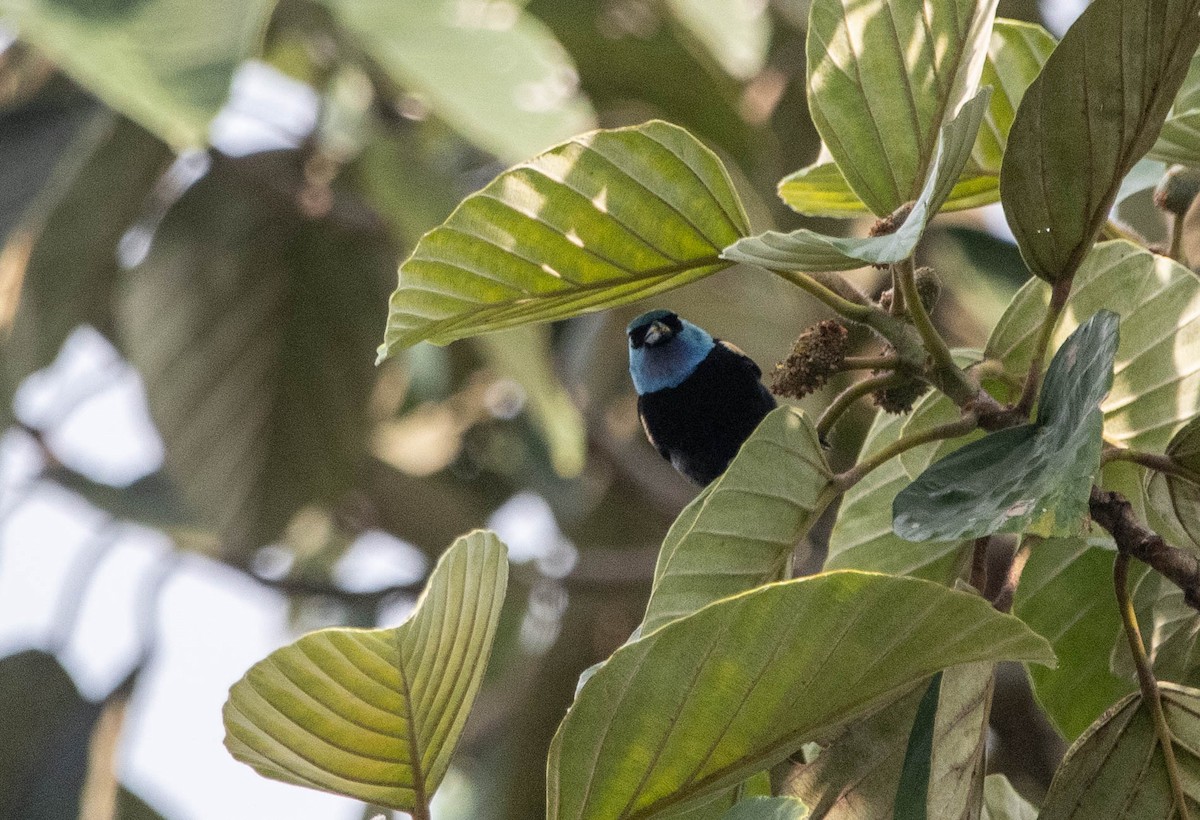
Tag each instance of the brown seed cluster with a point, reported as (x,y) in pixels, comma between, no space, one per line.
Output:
(816,356)
(900,399)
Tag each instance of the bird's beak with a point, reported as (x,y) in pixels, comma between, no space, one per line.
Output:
(656,331)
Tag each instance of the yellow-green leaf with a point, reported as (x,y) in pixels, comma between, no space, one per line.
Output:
(374,714)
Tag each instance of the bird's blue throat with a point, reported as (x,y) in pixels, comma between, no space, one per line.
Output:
(657,367)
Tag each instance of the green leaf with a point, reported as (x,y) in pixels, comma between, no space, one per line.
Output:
(1001,801)
(767,808)
(605,219)
(807,250)
(117,50)
(1179,141)
(1116,769)
(493,72)
(1086,120)
(1158,300)
(1035,478)
(654,729)
(252,327)
(883,77)
(69,252)
(1015,56)
(737,33)
(936,408)
(740,533)
(374,714)
(858,775)
(1177,497)
(1170,630)
(1066,596)
(913,791)
(862,536)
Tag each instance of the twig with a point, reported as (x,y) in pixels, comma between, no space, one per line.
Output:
(1158,463)
(1004,598)
(1146,681)
(979,564)
(948,376)
(1058,300)
(953,429)
(870,363)
(1113,512)
(851,394)
(1175,251)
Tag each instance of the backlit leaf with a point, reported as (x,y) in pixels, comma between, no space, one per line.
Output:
(375,714)
(1179,141)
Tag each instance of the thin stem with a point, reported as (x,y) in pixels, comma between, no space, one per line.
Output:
(897,294)
(948,375)
(852,394)
(1153,461)
(1146,681)
(1012,579)
(870,363)
(1058,300)
(1175,251)
(851,310)
(953,429)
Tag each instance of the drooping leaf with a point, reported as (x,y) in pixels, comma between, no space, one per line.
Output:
(1002,802)
(70,257)
(654,729)
(117,51)
(1177,497)
(493,72)
(599,221)
(883,77)
(1155,391)
(375,714)
(741,532)
(1116,769)
(1066,596)
(857,776)
(252,327)
(913,791)
(737,33)
(1086,120)
(1035,478)
(807,250)
(1179,141)
(767,808)
(1015,56)
(862,536)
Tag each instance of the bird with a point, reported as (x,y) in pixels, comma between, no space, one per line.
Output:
(699,398)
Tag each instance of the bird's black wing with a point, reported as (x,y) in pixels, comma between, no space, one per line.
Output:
(751,365)
(662,451)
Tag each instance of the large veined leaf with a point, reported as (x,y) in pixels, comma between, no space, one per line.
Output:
(1156,375)
(1034,478)
(1117,770)
(252,329)
(492,71)
(1015,56)
(1002,802)
(1170,630)
(1086,120)
(1066,596)
(375,714)
(166,64)
(599,221)
(1179,140)
(862,536)
(740,533)
(1177,497)
(883,77)
(858,776)
(807,250)
(767,808)
(712,697)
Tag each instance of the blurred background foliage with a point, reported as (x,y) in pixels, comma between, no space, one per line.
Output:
(223,191)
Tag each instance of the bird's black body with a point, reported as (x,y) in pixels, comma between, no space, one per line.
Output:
(699,424)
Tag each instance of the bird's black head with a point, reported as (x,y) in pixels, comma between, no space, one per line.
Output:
(653,328)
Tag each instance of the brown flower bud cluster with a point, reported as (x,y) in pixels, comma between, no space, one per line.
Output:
(816,356)
(899,398)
